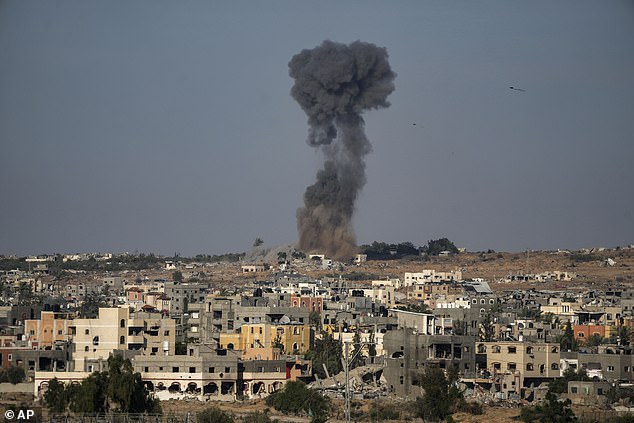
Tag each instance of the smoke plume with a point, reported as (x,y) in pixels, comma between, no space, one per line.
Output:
(334,84)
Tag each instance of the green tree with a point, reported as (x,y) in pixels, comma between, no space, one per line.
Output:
(258,241)
(90,396)
(436,246)
(439,395)
(594,340)
(281,257)
(314,318)
(551,410)
(214,415)
(297,398)
(56,397)
(89,309)
(622,336)
(177,276)
(357,358)
(277,343)
(568,341)
(298,255)
(125,388)
(487,329)
(327,351)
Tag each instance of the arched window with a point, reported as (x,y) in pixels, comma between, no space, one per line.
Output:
(87,332)
(122,340)
(95,340)
(122,323)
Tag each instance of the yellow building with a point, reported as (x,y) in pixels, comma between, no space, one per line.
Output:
(52,326)
(294,337)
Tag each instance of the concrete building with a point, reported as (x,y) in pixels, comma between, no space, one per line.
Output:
(430,275)
(253,268)
(409,351)
(515,365)
(116,329)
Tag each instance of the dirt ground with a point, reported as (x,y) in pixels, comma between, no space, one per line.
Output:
(499,415)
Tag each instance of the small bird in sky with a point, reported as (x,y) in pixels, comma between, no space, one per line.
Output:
(517,89)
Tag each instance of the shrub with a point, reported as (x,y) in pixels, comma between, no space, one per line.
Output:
(214,415)
(384,412)
(297,398)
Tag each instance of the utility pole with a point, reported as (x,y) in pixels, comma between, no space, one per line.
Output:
(346,365)
(347,369)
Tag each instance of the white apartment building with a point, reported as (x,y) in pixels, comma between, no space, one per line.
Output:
(430,275)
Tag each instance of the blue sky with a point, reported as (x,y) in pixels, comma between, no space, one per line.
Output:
(168,126)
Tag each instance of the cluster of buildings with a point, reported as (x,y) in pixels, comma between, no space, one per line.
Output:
(190,339)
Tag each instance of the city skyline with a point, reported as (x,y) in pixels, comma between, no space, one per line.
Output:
(161,128)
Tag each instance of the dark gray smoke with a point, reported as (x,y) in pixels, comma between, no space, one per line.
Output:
(334,84)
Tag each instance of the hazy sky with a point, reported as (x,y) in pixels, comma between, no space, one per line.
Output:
(164,126)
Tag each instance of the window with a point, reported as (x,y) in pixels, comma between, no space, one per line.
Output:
(122,340)
(554,349)
(610,368)
(511,350)
(529,350)
(59,332)
(86,348)
(554,366)
(212,370)
(87,332)
(175,369)
(496,349)
(530,367)
(497,366)
(166,333)
(511,366)
(146,369)
(580,335)
(574,390)
(122,323)
(192,370)
(227,369)
(95,340)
